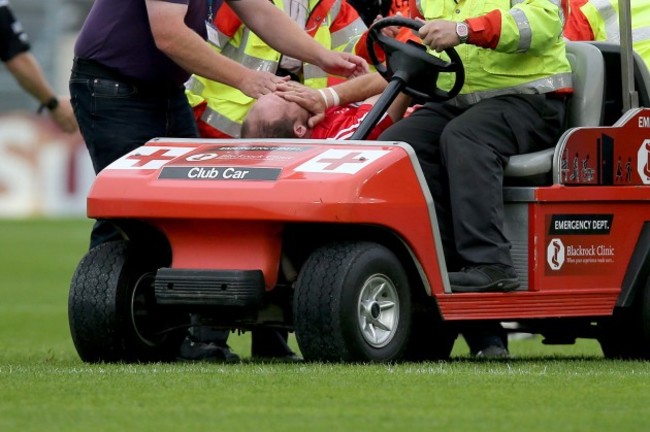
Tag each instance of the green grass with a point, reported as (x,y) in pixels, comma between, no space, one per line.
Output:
(45,387)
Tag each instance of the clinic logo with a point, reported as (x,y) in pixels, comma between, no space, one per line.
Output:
(643,162)
(555,254)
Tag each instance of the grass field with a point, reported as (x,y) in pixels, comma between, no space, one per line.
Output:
(45,387)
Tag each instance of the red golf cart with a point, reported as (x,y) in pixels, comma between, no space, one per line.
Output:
(338,241)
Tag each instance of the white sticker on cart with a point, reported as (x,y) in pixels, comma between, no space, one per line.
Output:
(643,162)
(341,161)
(149,157)
(555,254)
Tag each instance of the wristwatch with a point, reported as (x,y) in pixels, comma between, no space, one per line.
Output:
(51,104)
(462,30)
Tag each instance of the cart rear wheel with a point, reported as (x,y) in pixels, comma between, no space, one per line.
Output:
(431,339)
(627,334)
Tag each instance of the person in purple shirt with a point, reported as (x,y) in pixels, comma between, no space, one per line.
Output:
(126,86)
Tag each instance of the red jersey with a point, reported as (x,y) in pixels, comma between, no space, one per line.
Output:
(341,122)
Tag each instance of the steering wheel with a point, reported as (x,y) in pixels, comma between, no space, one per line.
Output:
(412,62)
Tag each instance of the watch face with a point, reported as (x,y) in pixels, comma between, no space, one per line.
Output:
(462,30)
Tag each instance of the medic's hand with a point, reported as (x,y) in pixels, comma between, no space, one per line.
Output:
(391,31)
(439,34)
(308,98)
(258,83)
(64,116)
(343,64)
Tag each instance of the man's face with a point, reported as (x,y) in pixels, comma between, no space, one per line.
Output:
(271,108)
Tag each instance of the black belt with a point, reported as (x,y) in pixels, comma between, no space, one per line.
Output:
(98,70)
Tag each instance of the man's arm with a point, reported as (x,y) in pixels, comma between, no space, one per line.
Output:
(29,75)
(503,30)
(264,19)
(353,90)
(368,88)
(192,53)
(363,88)
(398,107)
(360,88)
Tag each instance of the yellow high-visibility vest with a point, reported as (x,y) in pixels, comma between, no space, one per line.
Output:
(530,56)
(227,106)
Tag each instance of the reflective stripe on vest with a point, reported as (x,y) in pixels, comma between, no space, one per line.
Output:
(220,122)
(309,71)
(525,34)
(350,33)
(544,85)
(222,38)
(194,85)
(641,34)
(557,3)
(239,55)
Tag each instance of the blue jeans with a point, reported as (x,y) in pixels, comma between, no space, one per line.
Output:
(116,116)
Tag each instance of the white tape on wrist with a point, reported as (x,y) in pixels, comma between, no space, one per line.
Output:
(336,101)
(322,93)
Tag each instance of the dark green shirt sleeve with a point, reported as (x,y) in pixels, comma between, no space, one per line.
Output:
(13,40)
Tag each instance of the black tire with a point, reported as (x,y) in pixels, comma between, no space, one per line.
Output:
(352,303)
(112,310)
(626,335)
(431,338)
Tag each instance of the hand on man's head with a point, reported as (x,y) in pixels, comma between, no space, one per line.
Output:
(308,98)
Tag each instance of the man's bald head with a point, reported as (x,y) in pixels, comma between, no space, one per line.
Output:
(274,117)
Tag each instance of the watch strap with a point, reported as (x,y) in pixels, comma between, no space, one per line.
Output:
(51,104)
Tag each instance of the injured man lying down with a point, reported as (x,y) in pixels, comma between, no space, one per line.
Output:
(296,111)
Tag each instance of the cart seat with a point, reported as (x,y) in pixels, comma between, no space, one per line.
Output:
(585,108)
(613,107)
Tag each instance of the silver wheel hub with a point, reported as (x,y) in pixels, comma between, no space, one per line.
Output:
(378,310)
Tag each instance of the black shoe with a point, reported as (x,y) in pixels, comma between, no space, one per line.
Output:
(493,352)
(486,339)
(269,344)
(484,278)
(192,350)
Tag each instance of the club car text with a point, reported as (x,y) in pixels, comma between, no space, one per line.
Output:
(219,173)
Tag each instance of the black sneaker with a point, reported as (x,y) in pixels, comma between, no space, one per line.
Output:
(484,278)
(493,352)
(192,350)
(270,345)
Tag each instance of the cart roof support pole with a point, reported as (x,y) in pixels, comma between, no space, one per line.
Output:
(630,96)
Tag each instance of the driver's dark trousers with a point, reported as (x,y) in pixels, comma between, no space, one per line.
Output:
(463,153)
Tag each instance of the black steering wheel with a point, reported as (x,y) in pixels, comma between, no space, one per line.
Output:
(411,61)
